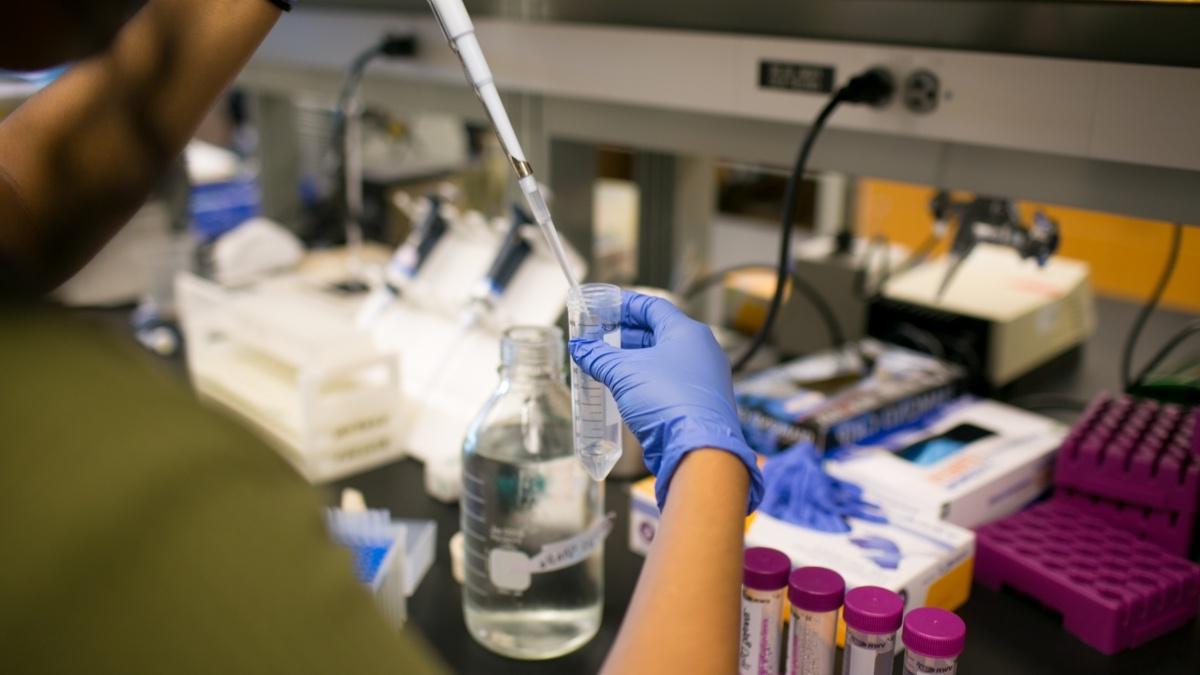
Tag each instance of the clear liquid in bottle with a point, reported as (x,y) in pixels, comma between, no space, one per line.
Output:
(532,519)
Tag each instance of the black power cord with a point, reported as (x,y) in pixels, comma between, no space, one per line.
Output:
(836,335)
(915,258)
(1135,331)
(332,211)
(391,46)
(872,87)
(1168,347)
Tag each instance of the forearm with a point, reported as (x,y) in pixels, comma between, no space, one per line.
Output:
(684,614)
(80,157)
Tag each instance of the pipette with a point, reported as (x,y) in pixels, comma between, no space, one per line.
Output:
(406,262)
(460,33)
(514,249)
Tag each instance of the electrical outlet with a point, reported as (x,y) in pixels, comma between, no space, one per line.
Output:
(922,91)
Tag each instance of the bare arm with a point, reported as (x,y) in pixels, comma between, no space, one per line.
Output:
(684,613)
(80,157)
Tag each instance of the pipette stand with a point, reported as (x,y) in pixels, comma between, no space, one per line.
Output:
(279,353)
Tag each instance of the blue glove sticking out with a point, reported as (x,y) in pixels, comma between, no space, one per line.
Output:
(880,550)
(799,491)
(673,386)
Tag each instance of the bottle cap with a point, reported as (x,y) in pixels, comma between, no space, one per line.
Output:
(816,589)
(935,632)
(873,610)
(765,569)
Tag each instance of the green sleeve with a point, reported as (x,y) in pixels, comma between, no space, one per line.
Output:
(145,534)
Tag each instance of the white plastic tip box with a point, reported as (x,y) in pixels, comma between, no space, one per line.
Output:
(391,557)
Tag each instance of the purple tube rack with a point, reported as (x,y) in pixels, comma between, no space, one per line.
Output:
(1137,461)
(1171,530)
(1113,590)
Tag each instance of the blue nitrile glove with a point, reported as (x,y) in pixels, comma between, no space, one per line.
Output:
(673,387)
(799,491)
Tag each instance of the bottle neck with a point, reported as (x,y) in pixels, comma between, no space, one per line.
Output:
(520,374)
(531,354)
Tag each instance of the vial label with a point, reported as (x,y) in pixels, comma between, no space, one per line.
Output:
(916,664)
(812,643)
(761,615)
(868,654)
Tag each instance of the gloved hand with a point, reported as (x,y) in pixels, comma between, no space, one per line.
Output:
(673,386)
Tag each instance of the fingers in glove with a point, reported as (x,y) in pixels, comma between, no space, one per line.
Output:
(648,312)
(636,338)
(597,359)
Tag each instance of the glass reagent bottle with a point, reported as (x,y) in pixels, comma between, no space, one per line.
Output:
(532,519)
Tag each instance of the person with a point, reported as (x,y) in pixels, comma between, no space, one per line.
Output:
(144,533)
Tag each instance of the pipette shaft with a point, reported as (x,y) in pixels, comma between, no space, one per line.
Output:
(460,33)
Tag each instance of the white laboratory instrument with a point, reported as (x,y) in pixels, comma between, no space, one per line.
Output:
(256,248)
(1028,314)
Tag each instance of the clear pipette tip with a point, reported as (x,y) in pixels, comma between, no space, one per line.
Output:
(541,215)
(551,235)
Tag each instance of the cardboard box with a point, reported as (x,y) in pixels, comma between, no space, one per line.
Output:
(927,561)
(968,463)
(643,516)
(824,399)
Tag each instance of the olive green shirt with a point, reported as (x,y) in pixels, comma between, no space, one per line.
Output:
(143,533)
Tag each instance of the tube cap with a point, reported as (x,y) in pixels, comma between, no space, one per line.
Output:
(935,632)
(816,589)
(873,610)
(765,569)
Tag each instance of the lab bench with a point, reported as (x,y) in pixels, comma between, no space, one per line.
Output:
(1006,633)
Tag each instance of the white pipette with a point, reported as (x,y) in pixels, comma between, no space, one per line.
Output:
(460,33)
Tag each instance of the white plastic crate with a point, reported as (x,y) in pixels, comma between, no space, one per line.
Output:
(315,388)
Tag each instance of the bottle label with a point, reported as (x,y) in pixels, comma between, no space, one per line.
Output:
(512,570)
(868,654)
(915,664)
